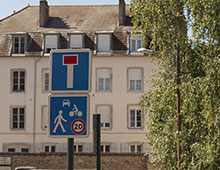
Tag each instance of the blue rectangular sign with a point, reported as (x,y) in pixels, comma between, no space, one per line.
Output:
(70,71)
(68,115)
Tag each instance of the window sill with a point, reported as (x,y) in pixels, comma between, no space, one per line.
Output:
(136,54)
(18,55)
(103,53)
(46,54)
(135,91)
(135,128)
(18,91)
(103,91)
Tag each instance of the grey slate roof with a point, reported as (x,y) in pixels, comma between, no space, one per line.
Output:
(64,18)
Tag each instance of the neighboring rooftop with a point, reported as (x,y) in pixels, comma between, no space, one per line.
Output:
(65,18)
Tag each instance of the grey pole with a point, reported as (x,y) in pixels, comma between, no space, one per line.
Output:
(70,154)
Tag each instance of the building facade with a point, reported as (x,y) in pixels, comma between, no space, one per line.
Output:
(118,76)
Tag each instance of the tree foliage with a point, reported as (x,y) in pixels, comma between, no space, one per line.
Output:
(167,22)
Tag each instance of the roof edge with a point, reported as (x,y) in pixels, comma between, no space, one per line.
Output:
(14,13)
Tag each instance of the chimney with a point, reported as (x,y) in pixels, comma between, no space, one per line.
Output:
(122,16)
(44,13)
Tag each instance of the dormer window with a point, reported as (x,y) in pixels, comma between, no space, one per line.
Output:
(18,44)
(136,42)
(51,42)
(76,41)
(104,43)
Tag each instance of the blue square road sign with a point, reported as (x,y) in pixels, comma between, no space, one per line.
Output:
(68,115)
(70,71)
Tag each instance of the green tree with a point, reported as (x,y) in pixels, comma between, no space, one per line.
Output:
(199,89)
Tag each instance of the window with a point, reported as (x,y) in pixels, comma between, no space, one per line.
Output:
(45,80)
(135,79)
(51,42)
(18,118)
(44,117)
(18,80)
(105,148)
(25,150)
(18,44)
(104,43)
(136,42)
(76,41)
(135,117)
(106,116)
(78,148)
(104,78)
(49,148)
(11,149)
(135,148)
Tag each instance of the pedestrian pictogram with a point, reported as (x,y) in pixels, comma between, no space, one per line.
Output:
(58,121)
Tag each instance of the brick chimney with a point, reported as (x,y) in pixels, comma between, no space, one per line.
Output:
(44,13)
(122,16)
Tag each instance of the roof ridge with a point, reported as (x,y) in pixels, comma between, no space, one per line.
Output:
(80,5)
(14,13)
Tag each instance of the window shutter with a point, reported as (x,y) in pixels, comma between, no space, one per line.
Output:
(135,74)
(39,147)
(51,41)
(104,73)
(87,147)
(145,147)
(76,41)
(124,148)
(114,147)
(59,147)
(105,112)
(104,42)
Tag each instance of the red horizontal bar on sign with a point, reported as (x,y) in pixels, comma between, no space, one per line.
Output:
(70,59)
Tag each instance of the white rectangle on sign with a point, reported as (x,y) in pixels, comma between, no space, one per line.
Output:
(5,160)
(5,168)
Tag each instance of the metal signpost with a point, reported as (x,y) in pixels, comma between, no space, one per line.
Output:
(70,83)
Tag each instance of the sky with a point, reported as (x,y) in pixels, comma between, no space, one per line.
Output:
(8,6)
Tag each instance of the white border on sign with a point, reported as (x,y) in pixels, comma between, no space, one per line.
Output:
(87,114)
(90,71)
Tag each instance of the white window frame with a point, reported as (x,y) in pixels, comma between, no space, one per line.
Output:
(104,43)
(104,146)
(50,147)
(135,108)
(104,79)
(20,51)
(135,38)
(45,80)
(104,127)
(19,80)
(18,118)
(17,146)
(135,145)
(135,80)
(76,148)
(48,45)
(80,41)
(44,117)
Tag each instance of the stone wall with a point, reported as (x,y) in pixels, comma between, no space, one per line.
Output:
(111,161)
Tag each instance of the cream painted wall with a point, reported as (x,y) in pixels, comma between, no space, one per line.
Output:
(119,98)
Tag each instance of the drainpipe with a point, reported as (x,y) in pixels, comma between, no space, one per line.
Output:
(35,102)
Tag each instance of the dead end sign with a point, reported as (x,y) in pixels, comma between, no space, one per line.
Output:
(70,71)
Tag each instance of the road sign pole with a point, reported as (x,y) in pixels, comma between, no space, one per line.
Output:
(70,154)
(97,139)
